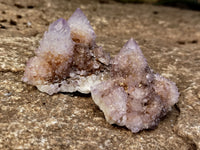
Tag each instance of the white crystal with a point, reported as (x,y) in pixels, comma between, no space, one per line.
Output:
(80,28)
(57,39)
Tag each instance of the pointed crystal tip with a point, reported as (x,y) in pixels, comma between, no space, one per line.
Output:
(59,25)
(57,39)
(78,15)
(79,11)
(81,30)
(131,44)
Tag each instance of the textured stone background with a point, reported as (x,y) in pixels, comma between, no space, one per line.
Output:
(29,119)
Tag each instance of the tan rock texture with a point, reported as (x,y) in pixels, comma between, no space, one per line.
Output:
(29,119)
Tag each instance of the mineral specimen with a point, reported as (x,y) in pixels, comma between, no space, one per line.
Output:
(68,59)
(124,87)
(134,96)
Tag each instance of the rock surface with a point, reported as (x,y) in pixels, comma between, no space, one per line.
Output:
(30,119)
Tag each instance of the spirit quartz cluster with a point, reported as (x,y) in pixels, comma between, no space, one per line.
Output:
(124,87)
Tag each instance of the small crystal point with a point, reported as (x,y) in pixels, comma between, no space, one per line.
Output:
(129,61)
(79,14)
(131,45)
(81,30)
(57,39)
(59,25)
(78,11)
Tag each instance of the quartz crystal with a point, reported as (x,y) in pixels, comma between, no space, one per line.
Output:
(124,87)
(134,96)
(68,58)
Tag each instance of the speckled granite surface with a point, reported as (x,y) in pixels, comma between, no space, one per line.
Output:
(30,119)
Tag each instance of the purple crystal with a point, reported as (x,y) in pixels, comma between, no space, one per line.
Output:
(57,40)
(71,64)
(129,56)
(55,48)
(124,87)
(81,30)
(137,96)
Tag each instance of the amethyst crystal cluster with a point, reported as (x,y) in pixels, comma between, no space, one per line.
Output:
(124,87)
(68,59)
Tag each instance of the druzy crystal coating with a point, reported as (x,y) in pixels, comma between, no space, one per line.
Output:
(124,87)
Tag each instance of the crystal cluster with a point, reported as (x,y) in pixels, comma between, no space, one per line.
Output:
(124,87)
(134,96)
(68,59)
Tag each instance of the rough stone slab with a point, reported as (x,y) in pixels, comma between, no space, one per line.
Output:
(11,50)
(30,119)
